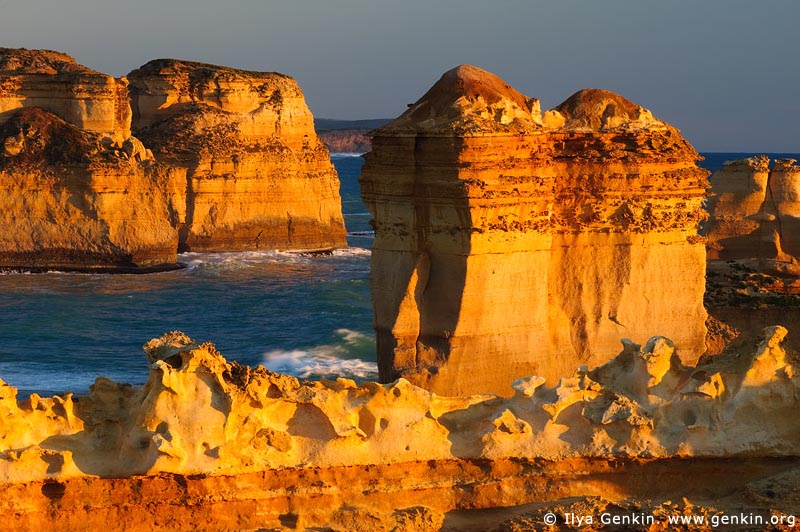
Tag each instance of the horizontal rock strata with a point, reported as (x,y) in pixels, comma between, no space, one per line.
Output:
(512,242)
(53,81)
(69,201)
(755,211)
(227,446)
(258,175)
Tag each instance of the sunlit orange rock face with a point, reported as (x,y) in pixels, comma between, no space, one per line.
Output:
(258,175)
(76,190)
(239,165)
(512,242)
(53,81)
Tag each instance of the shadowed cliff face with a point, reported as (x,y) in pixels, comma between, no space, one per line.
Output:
(755,213)
(258,176)
(539,238)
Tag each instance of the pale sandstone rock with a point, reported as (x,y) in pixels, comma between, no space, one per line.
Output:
(200,414)
(53,81)
(218,442)
(510,244)
(258,175)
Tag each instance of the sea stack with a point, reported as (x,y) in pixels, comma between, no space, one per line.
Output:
(258,175)
(76,190)
(755,211)
(511,242)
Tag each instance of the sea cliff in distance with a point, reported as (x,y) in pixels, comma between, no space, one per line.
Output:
(347,136)
(242,170)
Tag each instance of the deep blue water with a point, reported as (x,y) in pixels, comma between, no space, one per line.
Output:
(301,314)
(305,315)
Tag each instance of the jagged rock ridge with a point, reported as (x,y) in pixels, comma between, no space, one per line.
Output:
(512,242)
(252,437)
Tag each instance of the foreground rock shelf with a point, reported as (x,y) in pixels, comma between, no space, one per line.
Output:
(231,447)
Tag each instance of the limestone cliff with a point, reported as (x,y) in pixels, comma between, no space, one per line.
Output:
(53,81)
(755,211)
(68,200)
(512,242)
(346,140)
(225,446)
(258,176)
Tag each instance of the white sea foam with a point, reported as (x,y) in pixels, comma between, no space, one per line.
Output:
(238,259)
(330,360)
(343,154)
(352,252)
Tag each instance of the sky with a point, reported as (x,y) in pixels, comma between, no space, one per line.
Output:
(725,72)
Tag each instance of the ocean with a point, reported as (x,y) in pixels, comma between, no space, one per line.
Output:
(305,315)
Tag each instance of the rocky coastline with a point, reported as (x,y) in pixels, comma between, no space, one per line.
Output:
(222,160)
(522,261)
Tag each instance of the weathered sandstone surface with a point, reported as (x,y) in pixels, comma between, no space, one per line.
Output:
(258,175)
(69,200)
(53,81)
(512,242)
(755,211)
(239,165)
(208,445)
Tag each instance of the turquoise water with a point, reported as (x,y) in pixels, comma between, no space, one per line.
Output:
(309,316)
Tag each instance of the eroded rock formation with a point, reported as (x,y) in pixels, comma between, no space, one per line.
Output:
(258,175)
(512,242)
(234,447)
(239,167)
(346,140)
(53,81)
(755,211)
(69,200)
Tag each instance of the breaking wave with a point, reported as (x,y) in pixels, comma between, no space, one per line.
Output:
(345,154)
(245,259)
(343,358)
